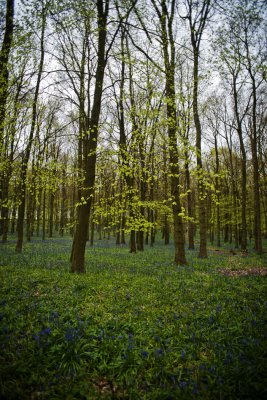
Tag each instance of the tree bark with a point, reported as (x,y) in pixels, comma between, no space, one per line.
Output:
(197,24)
(4,82)
(26,156)
(4,73)
(83,210)
(169,64)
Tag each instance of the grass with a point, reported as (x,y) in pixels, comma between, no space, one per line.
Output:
(134,327)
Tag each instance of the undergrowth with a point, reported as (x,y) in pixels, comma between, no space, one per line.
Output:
(136,326)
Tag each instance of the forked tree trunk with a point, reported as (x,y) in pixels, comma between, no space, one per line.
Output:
(197,23)
(83,210)
(166,20)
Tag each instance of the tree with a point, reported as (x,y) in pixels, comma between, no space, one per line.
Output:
(26,156)
(166,18)
(83,209)
(4,84)
(197,16)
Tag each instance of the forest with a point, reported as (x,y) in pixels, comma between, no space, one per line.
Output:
(133,154)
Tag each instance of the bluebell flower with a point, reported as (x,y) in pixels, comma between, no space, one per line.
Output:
(212,369)
(183,355)
(71,334)
(159,352)
(218,308)
(195,389)
(144,353)
(37,338)
(183,384)
(211,319)
(45,331)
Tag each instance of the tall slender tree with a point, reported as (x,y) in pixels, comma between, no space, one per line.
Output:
(4,83)
(166,18)
(197,16)
(26,156)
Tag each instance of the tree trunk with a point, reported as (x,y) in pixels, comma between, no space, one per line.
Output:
(83,210)
(191,244)
(4,73)
(44,214)
(243,167)
(169,64)
(200,183)
(51,213)
(26,156)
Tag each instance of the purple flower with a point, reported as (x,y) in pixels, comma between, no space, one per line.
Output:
(157,338)
(183,384)
(45,331)
(71,334)
(144,353)
(159,352)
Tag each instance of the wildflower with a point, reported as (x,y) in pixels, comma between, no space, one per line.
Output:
(183,355)
(157,338)
(195,389)
(37,338)
(159,352)
(71,334)
(183,384)
(144,353)
(45,331)
(211,319)
(218,309)
(212,369)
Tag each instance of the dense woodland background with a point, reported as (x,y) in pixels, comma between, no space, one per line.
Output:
(130,117)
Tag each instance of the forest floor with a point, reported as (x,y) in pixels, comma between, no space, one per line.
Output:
(136,326)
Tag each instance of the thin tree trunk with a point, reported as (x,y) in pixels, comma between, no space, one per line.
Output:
(83,210)
(168,48)
(4,75)
(44,214)
(243,168)
(26,156)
